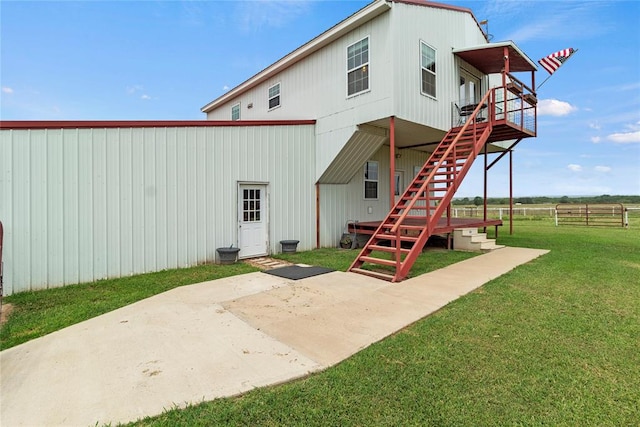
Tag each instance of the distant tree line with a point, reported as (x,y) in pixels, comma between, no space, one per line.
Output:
(538,200)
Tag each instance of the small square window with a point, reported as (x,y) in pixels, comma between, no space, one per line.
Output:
(235,112)
(371,180)
(274,96)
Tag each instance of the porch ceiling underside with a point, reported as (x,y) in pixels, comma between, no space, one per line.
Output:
(411,135)
(489,58)
(363,144)
(369,137)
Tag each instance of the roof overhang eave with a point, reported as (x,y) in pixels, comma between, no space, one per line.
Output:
(489,58)
(363,15)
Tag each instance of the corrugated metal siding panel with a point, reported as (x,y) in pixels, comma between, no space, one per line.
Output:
(55,211)
(328,145)
(443,30)
(358,149)
(340,203)
(84,204)
(6,194)
(316,89)
(333,213)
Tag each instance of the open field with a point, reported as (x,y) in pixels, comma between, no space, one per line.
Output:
(554,342)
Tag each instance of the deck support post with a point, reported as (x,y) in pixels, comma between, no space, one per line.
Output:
(510,192)
(317,215)
(486,168)
(392,162)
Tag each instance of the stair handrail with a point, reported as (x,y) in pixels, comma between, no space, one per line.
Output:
(435,167)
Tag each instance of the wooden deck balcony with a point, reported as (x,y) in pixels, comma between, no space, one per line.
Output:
(512,111)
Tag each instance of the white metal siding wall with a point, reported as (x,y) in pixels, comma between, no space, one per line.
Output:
(340,203)
(80,205)
(443,30)
(316,88)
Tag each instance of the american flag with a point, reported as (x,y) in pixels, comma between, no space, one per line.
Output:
(552,62)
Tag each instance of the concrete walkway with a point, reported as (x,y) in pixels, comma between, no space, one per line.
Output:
(219,338)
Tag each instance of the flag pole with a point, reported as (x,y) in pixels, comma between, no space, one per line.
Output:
(545,80)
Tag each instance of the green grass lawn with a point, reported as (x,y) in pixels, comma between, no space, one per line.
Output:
(554,342)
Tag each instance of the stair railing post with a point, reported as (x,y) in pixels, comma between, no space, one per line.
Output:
(398,248)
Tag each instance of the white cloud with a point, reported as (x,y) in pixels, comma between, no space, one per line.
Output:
(554,107)
(603,169)
(595,125)
(254,15)
(574,168)
(225,88)
(634,126)
(133,89)
(145,96)
(624,137)
(6,89)
(595,139)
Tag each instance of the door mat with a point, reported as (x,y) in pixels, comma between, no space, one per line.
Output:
(296,272)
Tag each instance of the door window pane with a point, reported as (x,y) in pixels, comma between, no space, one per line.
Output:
(251,205)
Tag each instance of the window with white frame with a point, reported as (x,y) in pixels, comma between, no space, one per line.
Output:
(371,180)
(235,112)
(274,96)
(358,67)
(428,69)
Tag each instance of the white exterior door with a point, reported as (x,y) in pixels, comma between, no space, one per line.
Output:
(469,90)
(252,220)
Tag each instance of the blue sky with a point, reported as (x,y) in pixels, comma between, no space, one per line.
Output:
(148,60)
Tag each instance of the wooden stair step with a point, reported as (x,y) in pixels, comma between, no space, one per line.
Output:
(379,261)
(407,217)
(383,236)
(387,249)
(375,274)
(423,208)
(412,227)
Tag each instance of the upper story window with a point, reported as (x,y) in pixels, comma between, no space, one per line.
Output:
(428,69)
(371,180)
(274,96)
(235,112)
(358,67)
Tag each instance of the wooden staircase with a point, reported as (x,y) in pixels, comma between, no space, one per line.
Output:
(398,241)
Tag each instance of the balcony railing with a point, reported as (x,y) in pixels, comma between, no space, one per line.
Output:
(513,104)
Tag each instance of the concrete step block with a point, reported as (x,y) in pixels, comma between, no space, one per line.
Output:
(465,231)
(480,237)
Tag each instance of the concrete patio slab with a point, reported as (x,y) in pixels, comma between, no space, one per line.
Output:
(168,350)
(338,314)
(219,338)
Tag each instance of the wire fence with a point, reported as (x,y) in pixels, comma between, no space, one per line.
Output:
(522,212)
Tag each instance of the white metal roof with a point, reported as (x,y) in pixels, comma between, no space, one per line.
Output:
(488,58)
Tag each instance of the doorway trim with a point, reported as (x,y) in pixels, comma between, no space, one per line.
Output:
(253,234)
